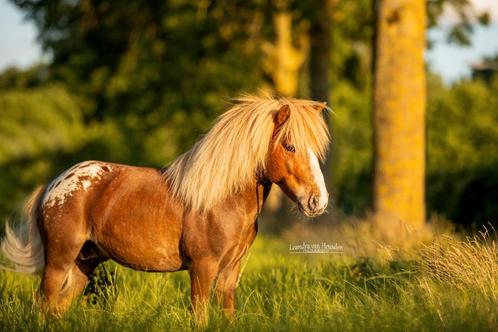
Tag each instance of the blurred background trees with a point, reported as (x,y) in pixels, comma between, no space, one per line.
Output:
(138,82)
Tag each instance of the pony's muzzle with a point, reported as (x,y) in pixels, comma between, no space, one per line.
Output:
(315,205)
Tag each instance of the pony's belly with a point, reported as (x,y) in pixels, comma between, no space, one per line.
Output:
(136,223)
(154,260)
(161,262)
(143,244)
(147,246)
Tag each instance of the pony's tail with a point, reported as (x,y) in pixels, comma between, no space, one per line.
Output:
(23,245)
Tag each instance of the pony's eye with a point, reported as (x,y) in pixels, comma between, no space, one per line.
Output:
(290,148)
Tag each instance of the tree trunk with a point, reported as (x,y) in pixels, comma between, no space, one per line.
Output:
(320,40)
(284,60)
(399,113)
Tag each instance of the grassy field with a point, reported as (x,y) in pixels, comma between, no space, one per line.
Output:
(448,284)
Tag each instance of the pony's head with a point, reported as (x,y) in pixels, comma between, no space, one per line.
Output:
(294,166)
(281,140)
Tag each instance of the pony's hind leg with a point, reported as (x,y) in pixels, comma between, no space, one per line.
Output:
(61,286)
(62,276)
(56,281)
(78,278)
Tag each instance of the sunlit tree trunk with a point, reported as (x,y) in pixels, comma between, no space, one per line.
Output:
(283,59)
(399,109)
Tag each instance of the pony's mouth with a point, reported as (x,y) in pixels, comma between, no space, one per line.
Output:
(309,213)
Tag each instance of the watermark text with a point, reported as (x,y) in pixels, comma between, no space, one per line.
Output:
(315,248)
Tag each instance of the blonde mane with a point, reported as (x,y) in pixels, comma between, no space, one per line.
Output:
(233,152)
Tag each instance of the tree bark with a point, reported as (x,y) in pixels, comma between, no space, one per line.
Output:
(399,113)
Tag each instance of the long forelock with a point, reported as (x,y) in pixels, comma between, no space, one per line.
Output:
(233,152)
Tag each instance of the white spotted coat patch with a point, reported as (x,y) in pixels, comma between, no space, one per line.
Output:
(79,177)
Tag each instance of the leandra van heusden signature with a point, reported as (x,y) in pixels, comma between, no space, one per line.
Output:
(315,248)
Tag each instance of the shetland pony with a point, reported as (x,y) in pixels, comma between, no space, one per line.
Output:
(199,214)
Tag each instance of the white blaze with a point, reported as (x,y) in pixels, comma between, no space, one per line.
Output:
(61,188)
(319,180)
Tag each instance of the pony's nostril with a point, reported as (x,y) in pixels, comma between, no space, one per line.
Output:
(313,202)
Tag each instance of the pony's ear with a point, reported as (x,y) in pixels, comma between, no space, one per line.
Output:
(281,116)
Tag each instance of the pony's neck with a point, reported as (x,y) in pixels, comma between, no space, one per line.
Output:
(252,198)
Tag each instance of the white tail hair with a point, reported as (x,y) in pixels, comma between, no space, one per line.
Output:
(23,245)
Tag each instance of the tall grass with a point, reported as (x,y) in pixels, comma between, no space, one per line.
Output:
(447,284)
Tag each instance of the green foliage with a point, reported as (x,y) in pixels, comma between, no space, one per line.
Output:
(13,78)
(34,125)
(462,125)
(463,150)
(352,45)
(351,149)
(38,121)
(148,63)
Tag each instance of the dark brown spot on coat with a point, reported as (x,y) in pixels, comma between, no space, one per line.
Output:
(69,175)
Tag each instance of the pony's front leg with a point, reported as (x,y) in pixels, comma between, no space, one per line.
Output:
(202,276)
(225,288)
